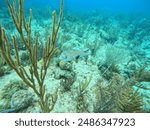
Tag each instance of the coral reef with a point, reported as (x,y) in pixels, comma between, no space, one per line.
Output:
(101,61)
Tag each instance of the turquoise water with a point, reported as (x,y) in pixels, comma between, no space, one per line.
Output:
(102,62)
(126,6)
(109,5)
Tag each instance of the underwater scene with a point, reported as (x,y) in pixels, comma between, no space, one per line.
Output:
(74,56)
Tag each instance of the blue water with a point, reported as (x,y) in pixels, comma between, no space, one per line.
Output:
(109,5)
(125,6)
(87,6)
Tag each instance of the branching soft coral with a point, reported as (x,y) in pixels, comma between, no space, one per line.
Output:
(118,96)
(34,77)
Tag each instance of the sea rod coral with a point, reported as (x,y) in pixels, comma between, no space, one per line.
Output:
(33,77)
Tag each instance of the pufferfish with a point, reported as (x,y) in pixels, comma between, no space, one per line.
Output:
(71,55)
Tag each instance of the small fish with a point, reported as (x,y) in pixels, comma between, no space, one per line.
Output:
(71,55)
